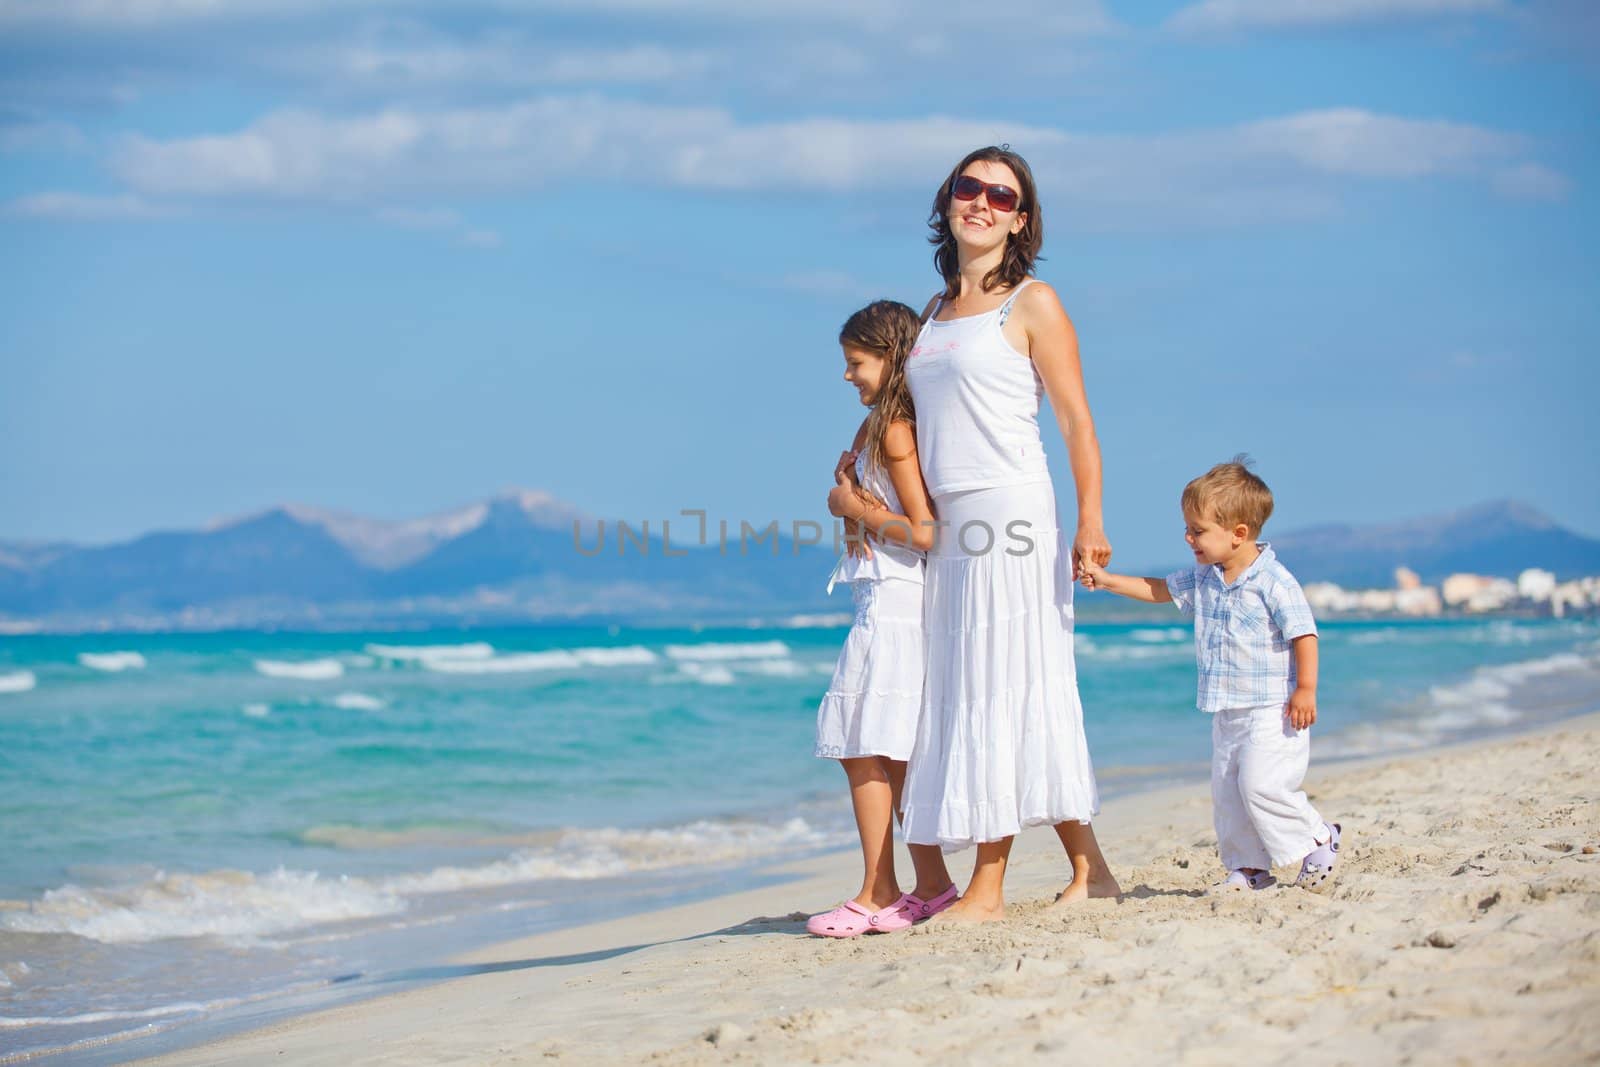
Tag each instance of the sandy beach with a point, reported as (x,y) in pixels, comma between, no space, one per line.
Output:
(1465,928)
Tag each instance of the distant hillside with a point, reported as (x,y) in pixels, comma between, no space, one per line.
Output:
(1499,538)
(506,559)
(512,558)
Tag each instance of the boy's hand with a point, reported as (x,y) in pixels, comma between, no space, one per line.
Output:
(1089,572)
(1302,709)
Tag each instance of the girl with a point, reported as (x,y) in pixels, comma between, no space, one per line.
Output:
(868,718)
(1000,741)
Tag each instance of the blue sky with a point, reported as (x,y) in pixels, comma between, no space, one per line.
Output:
(391,257)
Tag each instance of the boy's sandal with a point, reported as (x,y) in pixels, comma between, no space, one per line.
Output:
(1238,881)
(911,909)
(1317,869)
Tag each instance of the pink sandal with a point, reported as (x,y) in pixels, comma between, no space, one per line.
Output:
(911,909)
(847,920)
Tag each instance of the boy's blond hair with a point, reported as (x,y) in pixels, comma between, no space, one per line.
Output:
(1229,494)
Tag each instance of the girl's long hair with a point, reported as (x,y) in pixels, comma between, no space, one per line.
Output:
(889,329)
(1022,247)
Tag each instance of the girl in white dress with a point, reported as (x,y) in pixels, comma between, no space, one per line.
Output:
(868,718)
(1000,742)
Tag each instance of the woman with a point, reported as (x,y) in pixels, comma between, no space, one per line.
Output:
(1000,740)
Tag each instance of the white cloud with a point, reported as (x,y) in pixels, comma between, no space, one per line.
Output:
(123,13)
(418,218)
(1210,16)
(79,207)
(438,220)
(842,51)
(1043,16)
(41,137)
(829,283)
(1531,181)
(304,155)
(1360,143)
(480,238)
(1290,166)
(387,58)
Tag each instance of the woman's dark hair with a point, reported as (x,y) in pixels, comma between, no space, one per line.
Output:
(1022,247)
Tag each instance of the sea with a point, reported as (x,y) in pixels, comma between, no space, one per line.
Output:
(201,832)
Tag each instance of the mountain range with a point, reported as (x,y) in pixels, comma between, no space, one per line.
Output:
(1500,538)
(518,556)
(524,555)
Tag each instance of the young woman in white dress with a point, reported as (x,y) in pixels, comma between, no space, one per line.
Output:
(1000,742)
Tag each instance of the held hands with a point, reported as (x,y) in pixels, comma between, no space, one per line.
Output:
(1090,545)
(1302,709)
(1090,573)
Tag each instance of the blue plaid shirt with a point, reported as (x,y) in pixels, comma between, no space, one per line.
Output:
(1242,632)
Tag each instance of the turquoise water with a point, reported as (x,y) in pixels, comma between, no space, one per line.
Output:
(195,822)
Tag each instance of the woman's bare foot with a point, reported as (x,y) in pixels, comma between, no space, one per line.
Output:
(1097,887)
(967,912)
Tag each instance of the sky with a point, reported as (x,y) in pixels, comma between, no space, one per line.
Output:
(392,257)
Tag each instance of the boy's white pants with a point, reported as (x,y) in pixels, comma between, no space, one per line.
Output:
(1258,761)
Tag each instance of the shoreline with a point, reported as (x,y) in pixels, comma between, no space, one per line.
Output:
(1092,613)
(739,967)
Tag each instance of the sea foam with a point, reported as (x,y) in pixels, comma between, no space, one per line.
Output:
(240,908)
(827,621)
(1482,701)
(1162,636)
(232,905)
(311,670)
(549,660)
(706,673)
(609,851)
(10,1022)
(17,682)
(419,653)
(112,661)
(714,650)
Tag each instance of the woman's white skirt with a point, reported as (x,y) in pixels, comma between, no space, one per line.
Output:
(872,703)
(1000,742)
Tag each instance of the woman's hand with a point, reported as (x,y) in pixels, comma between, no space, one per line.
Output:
(1090,544)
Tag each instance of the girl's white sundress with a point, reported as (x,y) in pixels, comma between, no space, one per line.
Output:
(1000,742)
(872,703)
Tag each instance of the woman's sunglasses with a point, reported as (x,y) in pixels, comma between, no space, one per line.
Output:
(1000,197)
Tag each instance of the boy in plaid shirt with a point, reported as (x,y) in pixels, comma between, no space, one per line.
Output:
(1256,644)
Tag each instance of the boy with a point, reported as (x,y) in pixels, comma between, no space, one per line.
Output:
(1257,649)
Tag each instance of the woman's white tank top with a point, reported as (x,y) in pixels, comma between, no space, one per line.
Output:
(888,560)
(977,401)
